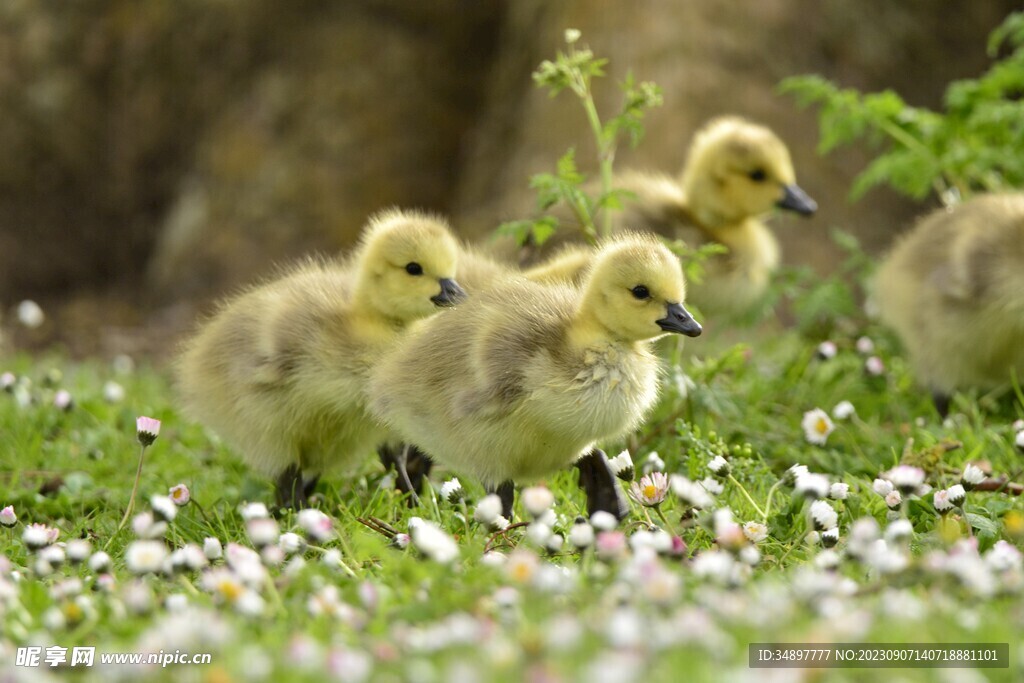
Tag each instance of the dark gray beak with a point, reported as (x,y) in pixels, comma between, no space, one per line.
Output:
(450,295)
(795,199)
(679,320)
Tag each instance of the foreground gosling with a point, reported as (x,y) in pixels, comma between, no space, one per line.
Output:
(280,371)
(736,171)
(953,289)
(523,379)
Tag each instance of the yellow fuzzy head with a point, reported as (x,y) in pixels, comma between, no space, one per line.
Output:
(407,265)
(737,169)
(635,290)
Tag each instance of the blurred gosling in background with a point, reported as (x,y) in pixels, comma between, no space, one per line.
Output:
(953,289)
(735,173)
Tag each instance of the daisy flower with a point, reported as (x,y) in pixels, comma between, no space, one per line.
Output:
(817,426)
(874,366)
(719,466)
(537,500)
(651,490)
(622,466)
(755,531)
(957,494)
(813,486)
(824,515)
(451,490)
(839,491)
(906,478)
(145,557)
(971,476)
(147,429)
(843,410)
(180,495)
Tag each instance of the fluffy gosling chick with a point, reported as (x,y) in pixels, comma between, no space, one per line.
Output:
(280,371)
(953,289)
(736,171)
(523,379)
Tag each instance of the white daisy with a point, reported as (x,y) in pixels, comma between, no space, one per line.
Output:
(906,478)
(817,426)
(145,557)
(843,410)
(537,500)
(622,466)
(971,476)
(824,515)
(839,491)
(451,490)
(957,494)
(755,531)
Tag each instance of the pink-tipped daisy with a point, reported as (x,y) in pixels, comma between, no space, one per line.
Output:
(147,429)
(651,490)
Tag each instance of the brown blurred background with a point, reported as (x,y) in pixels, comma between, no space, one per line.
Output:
(157,154)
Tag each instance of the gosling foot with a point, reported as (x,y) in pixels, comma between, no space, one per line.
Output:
(410,463)
(600,484)
(290,490)
(506,491)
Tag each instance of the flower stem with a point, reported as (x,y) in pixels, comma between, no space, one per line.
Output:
(746,495)
(970,529)
(135,490)
(661,516)
(768,501)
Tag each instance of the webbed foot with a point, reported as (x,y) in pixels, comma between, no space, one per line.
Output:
(600,484)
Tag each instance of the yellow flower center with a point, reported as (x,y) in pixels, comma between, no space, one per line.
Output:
(521,572)
(230,590)
(650,491)
(821,426)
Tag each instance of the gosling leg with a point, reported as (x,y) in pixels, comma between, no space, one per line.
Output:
(309,485)
(507,492)
(289,488)
(941,401)
(410,463)
(600,485)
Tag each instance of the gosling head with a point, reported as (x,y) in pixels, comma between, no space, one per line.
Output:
(635,291)
(406,265)
(737,169)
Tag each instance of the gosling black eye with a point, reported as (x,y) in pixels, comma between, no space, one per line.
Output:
(414,268)
(641,292)
(758,175)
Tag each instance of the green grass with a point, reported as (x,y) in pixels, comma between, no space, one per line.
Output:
(431,622)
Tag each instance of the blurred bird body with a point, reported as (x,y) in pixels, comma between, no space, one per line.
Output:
(523,379)
(280,371)
(953,289)
(736,172)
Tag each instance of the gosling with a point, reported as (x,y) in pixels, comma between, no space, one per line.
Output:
(524,379)
(280,370)
(736,171)
(953,290)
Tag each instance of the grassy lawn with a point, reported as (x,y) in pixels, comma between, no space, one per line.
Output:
(355,607)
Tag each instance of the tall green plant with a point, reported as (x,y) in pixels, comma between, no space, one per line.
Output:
(975,144)
(575,70)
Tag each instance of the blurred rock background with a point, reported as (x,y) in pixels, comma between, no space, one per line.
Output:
(160,153)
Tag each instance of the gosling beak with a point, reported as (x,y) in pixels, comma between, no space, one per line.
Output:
(450,295)
(680,320)
(795,199)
